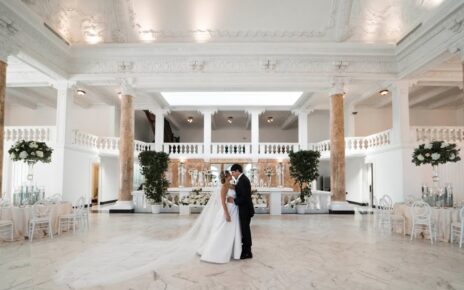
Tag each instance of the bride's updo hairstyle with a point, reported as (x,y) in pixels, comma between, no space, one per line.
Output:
(224,175)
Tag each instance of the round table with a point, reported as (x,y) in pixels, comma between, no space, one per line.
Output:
(21,216)
(441,217)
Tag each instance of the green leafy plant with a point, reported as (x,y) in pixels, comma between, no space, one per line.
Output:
(153,166)
(30,152)
(435,152)
(304,169)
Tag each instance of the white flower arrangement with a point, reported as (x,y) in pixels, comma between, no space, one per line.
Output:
(196,198)
(258,199)
(435,152)
(30,152)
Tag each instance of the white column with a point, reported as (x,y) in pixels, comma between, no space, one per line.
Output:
(207,113)
(349,120)
(400,113)
(159,130)
(303,129)
(255,132)
(64,127)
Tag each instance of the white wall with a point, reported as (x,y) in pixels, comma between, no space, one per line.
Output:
(77,177)
(109,178)
(370,121)
(239,135)
(22,116)
(318,126)
(422,117)
(97,120)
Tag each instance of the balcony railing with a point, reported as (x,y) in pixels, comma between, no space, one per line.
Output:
(427,134)
(34,133)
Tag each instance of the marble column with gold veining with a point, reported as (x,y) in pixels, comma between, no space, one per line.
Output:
(126,148)
(337,147)
(2,116)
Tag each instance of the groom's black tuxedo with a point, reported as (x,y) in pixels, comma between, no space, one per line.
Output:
(245,210)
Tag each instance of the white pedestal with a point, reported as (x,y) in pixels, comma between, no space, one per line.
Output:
(123,207)
(140,202)
(184,210)
(341,207)
(275,200)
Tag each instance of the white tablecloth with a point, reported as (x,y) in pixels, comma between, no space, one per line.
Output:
(441,217)
(21,216)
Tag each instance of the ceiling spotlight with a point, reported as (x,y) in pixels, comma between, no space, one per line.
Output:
(230,119)
(81,92)
(384,92)
(190,119)
(270,119)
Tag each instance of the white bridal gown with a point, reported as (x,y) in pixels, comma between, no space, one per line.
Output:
(225,239)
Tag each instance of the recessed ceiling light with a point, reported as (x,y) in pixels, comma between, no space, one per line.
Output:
(384,92)
(81,92)
(270,119)
(230,119)
(190,119)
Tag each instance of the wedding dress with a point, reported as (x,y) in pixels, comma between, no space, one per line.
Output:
(122,258)
(225,240)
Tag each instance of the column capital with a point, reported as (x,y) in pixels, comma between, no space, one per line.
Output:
(162,112)
(126,86)
(8,45)
(402,84)
(338,85)
(64,85)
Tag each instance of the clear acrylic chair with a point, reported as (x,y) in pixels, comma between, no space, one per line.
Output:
(386,216)
(6,227)
(422,220)
(74,218)
(41,220)
(457,228)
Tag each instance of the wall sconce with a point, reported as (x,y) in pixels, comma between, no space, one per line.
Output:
(230,119)
(270,119)
(190,119)
(384,92)
(81,92)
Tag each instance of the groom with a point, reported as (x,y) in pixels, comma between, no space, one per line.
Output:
(245,208)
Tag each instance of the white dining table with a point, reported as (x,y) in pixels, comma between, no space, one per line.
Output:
(441,217)
(21,216)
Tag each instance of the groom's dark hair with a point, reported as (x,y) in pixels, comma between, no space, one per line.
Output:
(237,167)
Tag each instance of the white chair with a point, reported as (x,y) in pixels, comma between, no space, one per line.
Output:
(41,220)
(422,218)
(6,227)
(76,217)
(386,216)
(457,228)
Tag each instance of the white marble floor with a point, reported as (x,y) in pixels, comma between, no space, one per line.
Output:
(290,252)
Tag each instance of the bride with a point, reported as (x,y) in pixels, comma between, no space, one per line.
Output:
(215,235)
(224,241)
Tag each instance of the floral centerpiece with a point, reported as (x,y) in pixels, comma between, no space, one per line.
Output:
(30,152)
(196,197)
(258,199)
(435,152)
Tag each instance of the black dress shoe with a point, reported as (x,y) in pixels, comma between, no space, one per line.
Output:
(246,256)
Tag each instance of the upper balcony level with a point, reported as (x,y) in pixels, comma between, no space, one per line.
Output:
(354,146)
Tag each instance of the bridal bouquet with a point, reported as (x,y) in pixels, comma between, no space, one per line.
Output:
(30,152)
(435,152)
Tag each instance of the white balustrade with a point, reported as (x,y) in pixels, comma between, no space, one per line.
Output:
(140,146)
(231,148)
(183,148)
(277,148)
(35,133)
(377,140)
(448,134)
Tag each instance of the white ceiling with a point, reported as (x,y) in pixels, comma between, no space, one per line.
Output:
(133,21)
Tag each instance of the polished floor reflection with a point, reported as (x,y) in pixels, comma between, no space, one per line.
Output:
(290,252)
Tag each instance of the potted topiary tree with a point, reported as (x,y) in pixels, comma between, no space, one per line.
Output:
(304,169)
(153,166)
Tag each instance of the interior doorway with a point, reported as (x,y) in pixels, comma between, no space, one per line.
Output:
(370,183)
(95,182)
